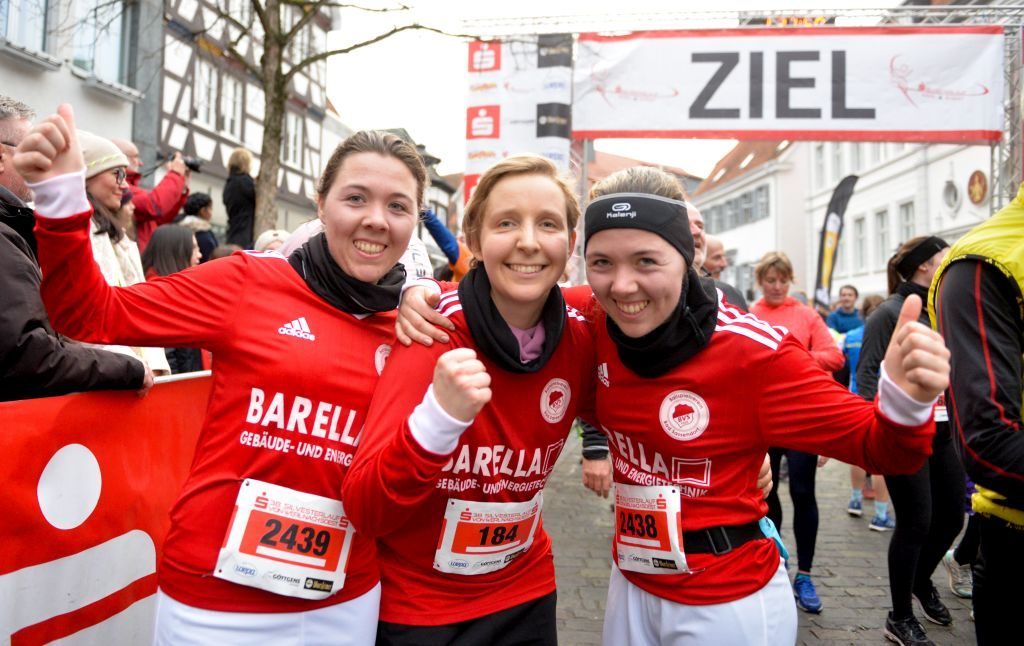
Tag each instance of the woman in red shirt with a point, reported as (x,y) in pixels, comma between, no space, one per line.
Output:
(774,274)
(260,548)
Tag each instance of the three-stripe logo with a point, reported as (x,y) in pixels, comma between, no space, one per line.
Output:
(297,328)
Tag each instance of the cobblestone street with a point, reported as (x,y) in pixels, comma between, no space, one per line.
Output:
(850,564)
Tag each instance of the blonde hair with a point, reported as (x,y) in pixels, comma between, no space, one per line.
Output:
(240,161)
(509,167)
(776,260)
(640,179)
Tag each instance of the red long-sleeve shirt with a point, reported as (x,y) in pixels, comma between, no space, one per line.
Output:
(705,426)
(397,491)
(291,371)
(158,206)
(805,326)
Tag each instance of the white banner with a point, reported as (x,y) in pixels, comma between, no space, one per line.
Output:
(876,83)
(520,95)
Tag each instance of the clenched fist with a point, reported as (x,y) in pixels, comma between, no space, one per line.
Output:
(461,384)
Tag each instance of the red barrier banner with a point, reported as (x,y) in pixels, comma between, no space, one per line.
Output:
(89,480)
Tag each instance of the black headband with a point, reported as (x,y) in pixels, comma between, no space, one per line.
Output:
(661,216)
(918,255)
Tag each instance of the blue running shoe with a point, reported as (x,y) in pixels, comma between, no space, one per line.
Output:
(855,508)
(806,596)
(880,524)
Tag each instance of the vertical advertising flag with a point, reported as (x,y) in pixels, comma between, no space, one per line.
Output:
(520,101)
(830,233)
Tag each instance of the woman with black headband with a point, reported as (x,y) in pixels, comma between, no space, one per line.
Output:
(928,503)
(691,394)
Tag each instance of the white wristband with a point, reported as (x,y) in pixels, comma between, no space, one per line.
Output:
(898,405)
(61,196)
(434,429)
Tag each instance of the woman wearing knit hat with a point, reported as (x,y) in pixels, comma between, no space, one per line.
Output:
(709,388)
(115,253)
(270,240)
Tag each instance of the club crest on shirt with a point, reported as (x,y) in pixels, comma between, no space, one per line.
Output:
(380,357)
(684,415)
(554,400)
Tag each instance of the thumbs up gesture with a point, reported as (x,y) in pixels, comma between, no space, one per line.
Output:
(50,149)
(917,359)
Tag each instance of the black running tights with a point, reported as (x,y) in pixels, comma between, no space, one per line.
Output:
(929,514)
(802,469)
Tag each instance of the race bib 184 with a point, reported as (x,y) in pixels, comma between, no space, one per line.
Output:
(481,537)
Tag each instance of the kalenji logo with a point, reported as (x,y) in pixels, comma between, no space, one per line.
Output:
(298,328)
(621,206)
(554,400)
(684,415)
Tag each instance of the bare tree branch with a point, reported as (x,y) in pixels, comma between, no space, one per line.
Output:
(309,60)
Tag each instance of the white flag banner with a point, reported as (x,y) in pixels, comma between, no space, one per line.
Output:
(874,83)
(520,95)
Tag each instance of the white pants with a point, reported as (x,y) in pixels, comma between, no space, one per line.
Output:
(352,623)
(635,617)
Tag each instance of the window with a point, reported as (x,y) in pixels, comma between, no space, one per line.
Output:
(99,39)
(882,235)
(761,203)
(231,106)
(747,208)
(907,227)
(240,10)
(876,153)
(819,165)
(23,22)
(204,96)
(732,214)
(837,162)
(291,148)
(860,245)
(856,156)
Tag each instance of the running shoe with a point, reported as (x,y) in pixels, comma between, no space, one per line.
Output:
(805,594)
(961,581)
(855,508)
(934,610)
(906,632)
(880,524)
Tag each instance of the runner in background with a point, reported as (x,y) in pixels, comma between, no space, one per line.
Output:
(462,435)
(260,549)
(928,503)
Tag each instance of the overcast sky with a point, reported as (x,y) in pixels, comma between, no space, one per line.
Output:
(419,81)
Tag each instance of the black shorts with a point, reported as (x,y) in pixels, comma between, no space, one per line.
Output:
(528,624)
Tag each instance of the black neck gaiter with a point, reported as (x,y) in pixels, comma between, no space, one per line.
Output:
(313,261)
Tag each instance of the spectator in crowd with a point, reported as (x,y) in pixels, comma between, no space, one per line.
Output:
(240,199)
(160,205)
(224,250)
(715,260)
(455,250)
(732,295)
(197,214)
(271,240)
(975,302)
(880,522)
(174,248)
(928,503)
(774,274)
(34,360)
(846,317)
(116,254)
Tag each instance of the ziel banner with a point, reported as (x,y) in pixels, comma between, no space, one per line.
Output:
(936,84)
(89,480)
(520,95)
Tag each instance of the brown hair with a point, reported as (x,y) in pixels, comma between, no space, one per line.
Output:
(777,260)
(381,143)
(509,167)
(640,179)
(892,274)
(870,304)
(240,162)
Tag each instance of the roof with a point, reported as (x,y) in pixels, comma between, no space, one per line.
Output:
(735,164)
(604,164)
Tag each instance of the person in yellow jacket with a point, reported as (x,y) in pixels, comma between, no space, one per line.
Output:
(976,302)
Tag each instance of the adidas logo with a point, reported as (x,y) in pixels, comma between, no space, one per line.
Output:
(298,328)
